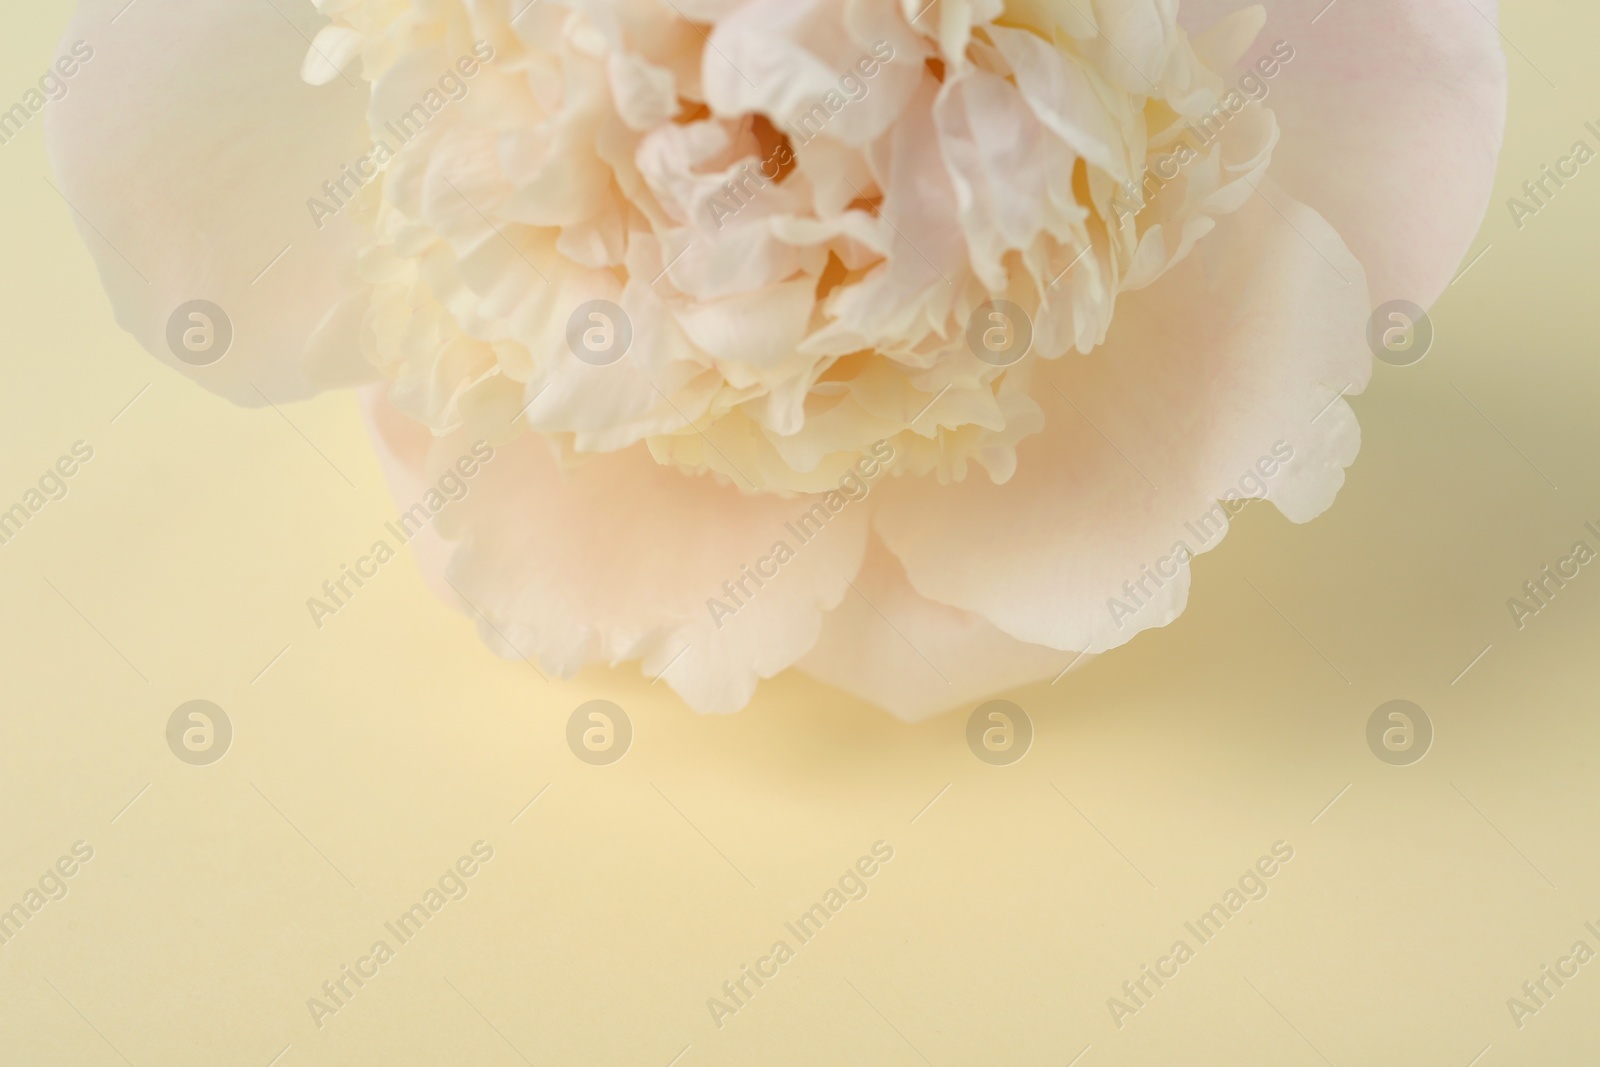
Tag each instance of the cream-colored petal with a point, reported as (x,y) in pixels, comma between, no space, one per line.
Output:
(189,149)
(789,59)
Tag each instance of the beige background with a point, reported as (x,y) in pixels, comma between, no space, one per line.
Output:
(373,753)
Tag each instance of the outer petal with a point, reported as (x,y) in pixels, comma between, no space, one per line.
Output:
(1391,113)
(188,147)
(915,657)
(619,558)
(1246,344)
(404,446)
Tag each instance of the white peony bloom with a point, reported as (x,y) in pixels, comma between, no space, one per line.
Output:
(913,344)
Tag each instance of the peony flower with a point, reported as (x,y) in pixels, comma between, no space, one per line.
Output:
(918,345)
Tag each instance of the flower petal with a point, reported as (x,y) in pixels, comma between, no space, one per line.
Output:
(1391,114)
(188,150)
(1241,350)
(620,559)
(797,62)
(403,446)
(914,657)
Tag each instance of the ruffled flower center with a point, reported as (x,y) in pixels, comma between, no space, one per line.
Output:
(759,238)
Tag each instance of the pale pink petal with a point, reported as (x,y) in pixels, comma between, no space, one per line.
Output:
(405,452)
(1391,114)
(915,657)
(1244,346)
(188,148)
(619,559)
